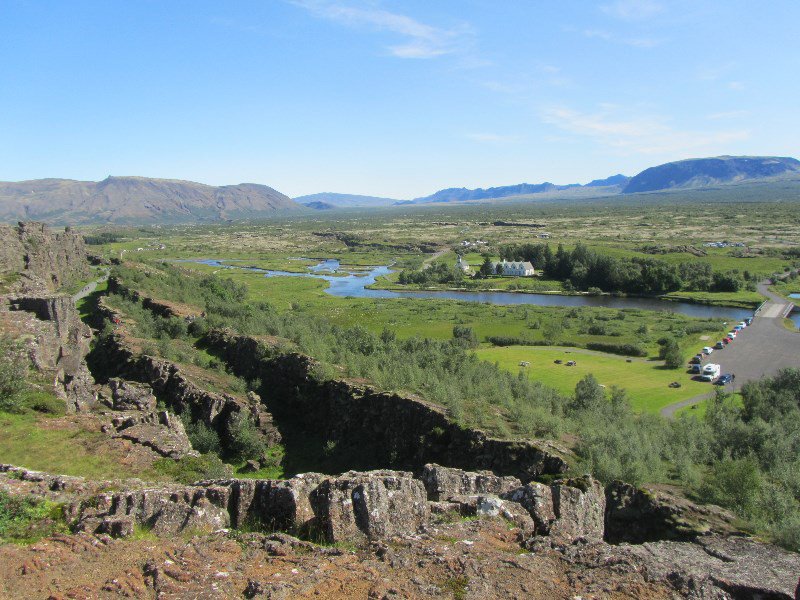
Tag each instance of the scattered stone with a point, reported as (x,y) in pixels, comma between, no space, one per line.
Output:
(251,466)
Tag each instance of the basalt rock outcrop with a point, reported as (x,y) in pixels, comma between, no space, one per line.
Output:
(443,483)
(353,507)
(638,515)
(179,393)
(56,341)
(387,512)
(161,431)
(389,429)
(44,259)
(370,506)
(567,510)
(38,262)
(126,395)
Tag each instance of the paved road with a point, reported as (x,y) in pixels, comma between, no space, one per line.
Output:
(761,349)
(90,287)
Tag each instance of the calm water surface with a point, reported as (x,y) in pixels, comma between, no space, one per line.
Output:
(795,316)
(354,284)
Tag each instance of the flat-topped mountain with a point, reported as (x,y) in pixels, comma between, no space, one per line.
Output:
(708,172)
(136,200)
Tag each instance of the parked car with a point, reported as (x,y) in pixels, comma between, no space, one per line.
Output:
(724,379)
(743,324)
(727,340)
(732,334)
(719,345)
(696,359)
(696,369)
(738,328)
(749,320)
(710,372)
(707,349)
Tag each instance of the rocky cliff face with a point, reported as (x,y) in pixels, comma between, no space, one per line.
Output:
(57,342)
(387,429)
(44,259)
(179,393)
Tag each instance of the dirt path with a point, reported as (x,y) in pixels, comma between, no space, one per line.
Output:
(761,349)
(427,262)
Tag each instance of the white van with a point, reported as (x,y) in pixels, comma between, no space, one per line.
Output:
(710,372)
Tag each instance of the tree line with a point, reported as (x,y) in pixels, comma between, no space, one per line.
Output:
(585,269)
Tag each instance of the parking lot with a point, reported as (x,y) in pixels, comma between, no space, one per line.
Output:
(761,349)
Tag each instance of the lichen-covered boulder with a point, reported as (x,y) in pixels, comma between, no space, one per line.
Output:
(126,395)
(165,510)
(442,483)
(160,431)
(369,506)
(567,510)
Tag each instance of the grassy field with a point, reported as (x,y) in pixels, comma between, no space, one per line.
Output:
(789,286)
(409,317)
(61,445)
(699,410)
(645,381)
(743,299)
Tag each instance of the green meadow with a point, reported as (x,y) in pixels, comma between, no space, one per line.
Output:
(647,382)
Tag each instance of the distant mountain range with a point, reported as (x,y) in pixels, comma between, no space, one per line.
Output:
(711,172)
(328,200)
(137,200)
(506,191)
(693,173)
(131,200)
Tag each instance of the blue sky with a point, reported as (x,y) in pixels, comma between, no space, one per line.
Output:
(391,98)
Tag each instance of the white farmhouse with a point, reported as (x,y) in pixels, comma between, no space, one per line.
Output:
(462,264)
(515,268)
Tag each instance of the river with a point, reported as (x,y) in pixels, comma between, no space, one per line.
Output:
(795,316)
(355,284)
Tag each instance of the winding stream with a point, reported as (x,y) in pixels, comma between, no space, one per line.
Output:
(355,284)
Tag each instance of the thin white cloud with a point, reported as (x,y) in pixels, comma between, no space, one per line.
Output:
(420,41)
(714,72)
(607,36)
(492,138)
(639,134)
(632,10)
(729,114)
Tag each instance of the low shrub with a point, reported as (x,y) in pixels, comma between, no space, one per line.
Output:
(25,520)
(193,468)
(623,349)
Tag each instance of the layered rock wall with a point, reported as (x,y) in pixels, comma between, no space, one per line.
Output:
(57,343)
(46,260)
(179,393)
(389,430)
